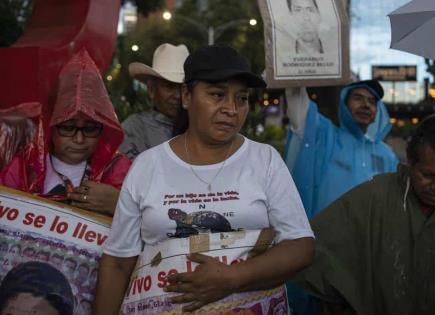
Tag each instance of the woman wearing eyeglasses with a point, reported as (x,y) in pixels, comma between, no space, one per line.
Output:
(76,160)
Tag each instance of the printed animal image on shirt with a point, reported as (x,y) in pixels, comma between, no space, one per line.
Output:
(196,222)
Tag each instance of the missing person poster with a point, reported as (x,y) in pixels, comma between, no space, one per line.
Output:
(145,294)
(50,250)
(306,42)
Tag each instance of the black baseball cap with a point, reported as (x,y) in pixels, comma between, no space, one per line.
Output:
(374,85)
(219,62)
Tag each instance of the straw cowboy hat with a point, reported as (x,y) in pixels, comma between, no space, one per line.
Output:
(168,63)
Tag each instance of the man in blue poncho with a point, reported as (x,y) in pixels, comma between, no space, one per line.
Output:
(325,160)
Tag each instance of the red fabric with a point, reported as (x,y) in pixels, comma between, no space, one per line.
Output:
(80,90)
(17,127)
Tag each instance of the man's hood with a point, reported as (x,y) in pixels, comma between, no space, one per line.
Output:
(376,130)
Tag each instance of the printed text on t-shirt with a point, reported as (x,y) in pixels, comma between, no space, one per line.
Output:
(200,197)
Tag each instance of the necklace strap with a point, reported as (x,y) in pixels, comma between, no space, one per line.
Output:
(209,187)
(69,187)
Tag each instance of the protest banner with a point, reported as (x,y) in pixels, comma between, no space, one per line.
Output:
(145,293)
(306,42)
(34,229)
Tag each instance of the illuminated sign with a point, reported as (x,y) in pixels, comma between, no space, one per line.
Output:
(394,73)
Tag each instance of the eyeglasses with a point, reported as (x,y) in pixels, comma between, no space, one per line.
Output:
(92,131)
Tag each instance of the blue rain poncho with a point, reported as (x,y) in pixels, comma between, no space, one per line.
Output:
(327,160)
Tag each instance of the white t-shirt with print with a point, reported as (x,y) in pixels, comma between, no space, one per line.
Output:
(162,198)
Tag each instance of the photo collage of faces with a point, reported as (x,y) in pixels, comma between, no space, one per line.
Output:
(79,266)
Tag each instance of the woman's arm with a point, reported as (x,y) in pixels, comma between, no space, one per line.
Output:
(113,279)
(123,245)
(275,266)
(212,280)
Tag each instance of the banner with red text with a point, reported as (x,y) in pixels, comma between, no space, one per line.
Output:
(145,294)
(34,229)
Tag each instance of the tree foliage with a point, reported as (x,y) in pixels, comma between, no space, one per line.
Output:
(245,38)
(13,18)
(146,7)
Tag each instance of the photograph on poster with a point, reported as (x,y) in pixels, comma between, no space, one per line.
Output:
(43,243)
(36,288)
(22,249)
(306,39)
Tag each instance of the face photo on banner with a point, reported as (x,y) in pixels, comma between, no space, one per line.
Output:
(306,39)
(35,288)
(77,265)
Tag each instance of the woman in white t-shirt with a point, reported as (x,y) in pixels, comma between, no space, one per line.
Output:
(248,184)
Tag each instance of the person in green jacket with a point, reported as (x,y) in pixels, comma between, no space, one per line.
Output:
(375,246)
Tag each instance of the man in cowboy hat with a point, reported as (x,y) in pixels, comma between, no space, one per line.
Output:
(148,129)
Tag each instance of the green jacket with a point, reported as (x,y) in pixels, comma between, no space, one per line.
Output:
(375,250)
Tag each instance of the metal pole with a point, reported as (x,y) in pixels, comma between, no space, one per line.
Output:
(211,32)
(198,25)
(210,35)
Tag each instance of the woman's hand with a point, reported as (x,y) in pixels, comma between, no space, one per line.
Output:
(210,282)
(95,196)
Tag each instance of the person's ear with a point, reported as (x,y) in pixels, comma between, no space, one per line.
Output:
(151,88)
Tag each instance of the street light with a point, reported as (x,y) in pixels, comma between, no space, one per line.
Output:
(167,15)
(432,90)
(212,32)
